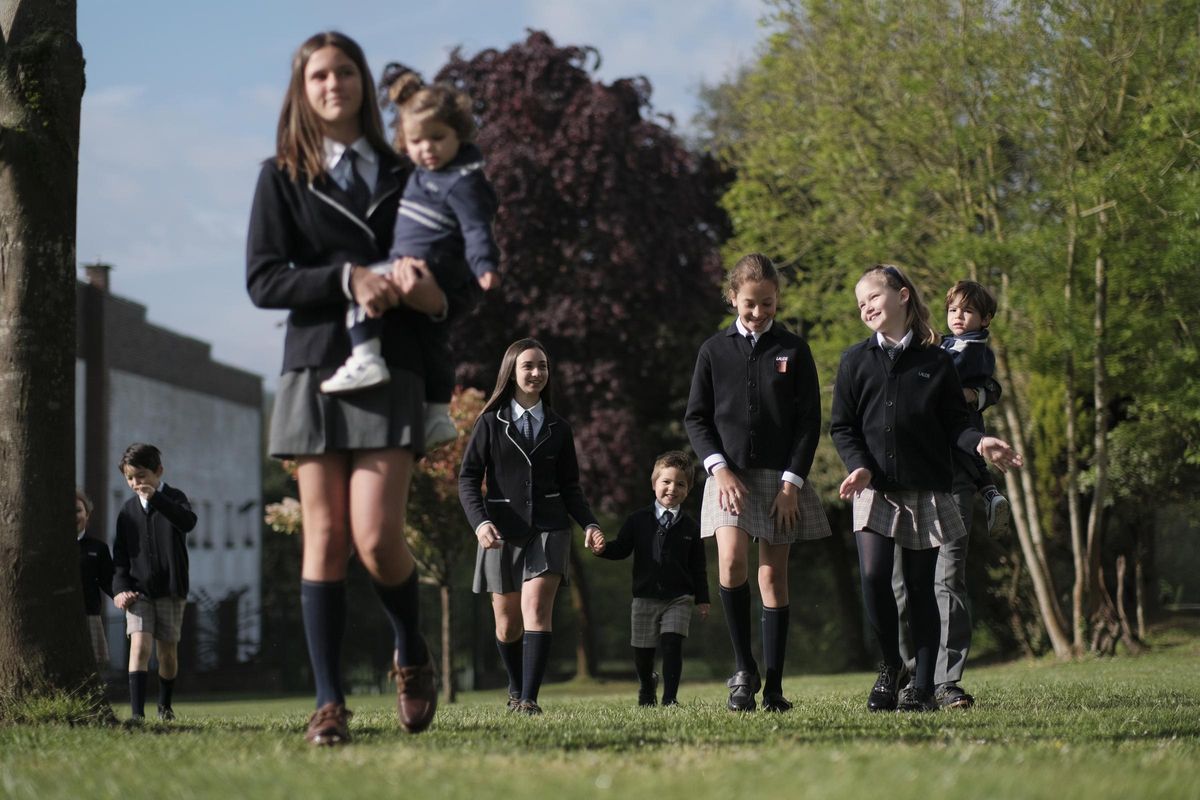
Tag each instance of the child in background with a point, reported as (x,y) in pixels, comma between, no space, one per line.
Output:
(754,418)
(669,575)
(96,574)
(969,311)
(525,455)
(898,412)
(445,218)
(151,574)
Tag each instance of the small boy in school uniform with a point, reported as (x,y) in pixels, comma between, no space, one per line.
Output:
(669,575)
(95,574)
(151,574)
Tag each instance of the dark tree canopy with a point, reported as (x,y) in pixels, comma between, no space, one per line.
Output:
(610,228)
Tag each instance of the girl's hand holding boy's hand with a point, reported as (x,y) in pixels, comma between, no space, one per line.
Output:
(1000,453)
(593,539)
(125,599)
(375,293)
(730,490)
(488,536)
(786,508)
(702,609)
(855,482)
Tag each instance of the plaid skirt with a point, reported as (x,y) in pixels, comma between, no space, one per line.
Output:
(916,520)
(755,519)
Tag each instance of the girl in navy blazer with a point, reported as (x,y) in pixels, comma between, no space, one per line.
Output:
(898,412)
(754,419)
(524,454)
(307,244)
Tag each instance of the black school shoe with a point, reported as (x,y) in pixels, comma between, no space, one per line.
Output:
(914,699)
(166,713)
(951,695)
(742,687)
(776,703)
(529,708)
(514,700)
(883,693)
(649,698)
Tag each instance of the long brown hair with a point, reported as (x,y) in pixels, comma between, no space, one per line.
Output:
(916,314)
(299,139)
(503,393)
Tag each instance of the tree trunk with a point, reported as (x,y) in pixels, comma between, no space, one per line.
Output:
(585,643)
(449,693)
(1100,605)
(1079,556)
(44,643)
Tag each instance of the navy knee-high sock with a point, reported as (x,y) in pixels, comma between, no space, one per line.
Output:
(402,603)
(511,654)
(166,687)
(736,602)
(774,644)
(672,647)
(536,654)
(323,606)
(137,694)
(643,664)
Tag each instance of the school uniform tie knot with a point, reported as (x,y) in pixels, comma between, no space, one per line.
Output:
(893,352)
(356,187)
(750,339)
(666,519)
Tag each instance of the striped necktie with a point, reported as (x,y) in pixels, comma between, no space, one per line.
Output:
(527,426)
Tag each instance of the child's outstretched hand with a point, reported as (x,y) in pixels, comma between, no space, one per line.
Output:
(855,482)
(786,508)
(1000,453)
(702,609)
(593,539)
(731,492)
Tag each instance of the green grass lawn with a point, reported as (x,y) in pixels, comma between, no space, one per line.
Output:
(1125,727)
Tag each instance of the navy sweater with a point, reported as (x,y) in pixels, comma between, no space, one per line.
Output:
(150,550)
(666,564)
(902,419)
(95,572)
(760,408)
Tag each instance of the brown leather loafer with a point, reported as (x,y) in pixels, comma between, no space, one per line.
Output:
(416,695)
(329,726)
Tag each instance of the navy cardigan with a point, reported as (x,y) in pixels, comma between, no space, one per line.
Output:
(527,492)
(760,408)
(150,549)
(901,419)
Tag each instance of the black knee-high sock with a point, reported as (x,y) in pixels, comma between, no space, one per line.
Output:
(137,693)
(924,619)
(323,606)
(774,645)
(875,554)
(166,687)
(736,602)
(536,654)
(402,604)
(643,662)
(511,656)
(672,647)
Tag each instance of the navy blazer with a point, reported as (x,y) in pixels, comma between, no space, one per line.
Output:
(759,408)
(681,567)
(302,234)
(901,419)
(527,492)
(150,549)
(95,572)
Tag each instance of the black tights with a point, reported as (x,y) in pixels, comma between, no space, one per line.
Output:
(875,557)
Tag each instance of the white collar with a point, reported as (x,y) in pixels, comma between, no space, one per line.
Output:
(885,343)
(516,410)
(82,534)
(744,331)
(659,508)
(334,151)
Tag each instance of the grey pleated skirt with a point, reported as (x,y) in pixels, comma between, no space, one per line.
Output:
(306,422)
(916,520)
(506,568)
(755,519)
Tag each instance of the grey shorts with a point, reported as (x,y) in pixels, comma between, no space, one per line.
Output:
(505,569)
(650,617)
(161,617)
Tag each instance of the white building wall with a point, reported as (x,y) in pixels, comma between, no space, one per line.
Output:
(211,451)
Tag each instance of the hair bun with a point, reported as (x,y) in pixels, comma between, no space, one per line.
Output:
(400,82)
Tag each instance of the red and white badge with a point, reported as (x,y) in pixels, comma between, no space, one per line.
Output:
(781,363)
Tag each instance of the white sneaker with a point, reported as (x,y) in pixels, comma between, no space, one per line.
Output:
(999,513)
(439,428)
(359,372)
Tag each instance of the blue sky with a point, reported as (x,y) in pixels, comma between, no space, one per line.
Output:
(182,100)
